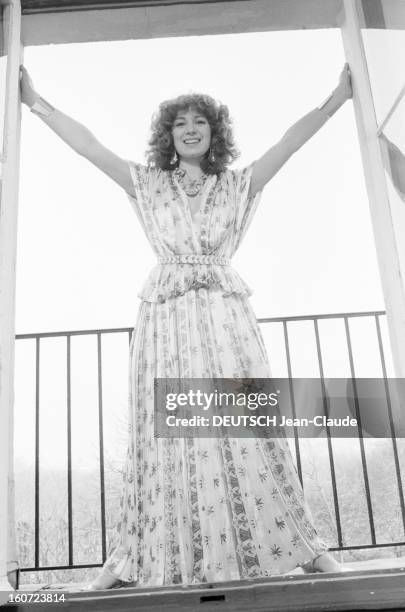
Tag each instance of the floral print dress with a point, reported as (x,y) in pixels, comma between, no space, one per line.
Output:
(201,509)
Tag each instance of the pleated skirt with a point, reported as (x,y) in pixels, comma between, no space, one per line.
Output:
(197,510)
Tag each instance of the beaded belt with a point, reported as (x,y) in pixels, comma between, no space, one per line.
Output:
(195,259)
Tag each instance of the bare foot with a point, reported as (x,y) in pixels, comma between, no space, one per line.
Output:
(105,580)
(325,563)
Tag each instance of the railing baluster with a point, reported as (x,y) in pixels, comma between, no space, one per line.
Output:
(328,437)
(36,515)
(361,440)
(294,413)
(101,443)
(392,427)
(69,447)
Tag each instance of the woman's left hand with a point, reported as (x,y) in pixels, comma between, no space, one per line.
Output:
(345,83)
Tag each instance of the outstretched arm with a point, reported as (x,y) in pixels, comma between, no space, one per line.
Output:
(79,138)
(270,163)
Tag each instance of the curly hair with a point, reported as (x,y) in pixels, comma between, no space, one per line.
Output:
(161,147)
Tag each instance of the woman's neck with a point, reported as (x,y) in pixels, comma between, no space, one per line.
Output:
(192,167)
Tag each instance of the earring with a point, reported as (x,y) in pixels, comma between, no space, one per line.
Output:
(174,158)
(211,155)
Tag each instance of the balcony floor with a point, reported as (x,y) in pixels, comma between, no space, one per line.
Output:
(372,585)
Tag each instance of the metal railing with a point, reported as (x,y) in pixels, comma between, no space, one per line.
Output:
(285,323)
(345,317)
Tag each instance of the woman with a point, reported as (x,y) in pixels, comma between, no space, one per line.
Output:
(199,510)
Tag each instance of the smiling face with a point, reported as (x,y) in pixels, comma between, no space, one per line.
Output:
(191,134)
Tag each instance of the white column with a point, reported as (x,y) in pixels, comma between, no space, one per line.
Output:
(8,248)
(386,238)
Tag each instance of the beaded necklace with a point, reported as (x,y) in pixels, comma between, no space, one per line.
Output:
(192,187)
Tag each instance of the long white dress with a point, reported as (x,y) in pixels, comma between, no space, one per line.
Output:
(202,509)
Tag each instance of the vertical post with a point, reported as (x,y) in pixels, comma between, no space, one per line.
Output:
(386,239)
(8,248)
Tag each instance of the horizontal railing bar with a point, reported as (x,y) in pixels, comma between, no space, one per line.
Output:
(80,332)
(112,330)
(366,546)
(50,568)
(337,315)
(331,548)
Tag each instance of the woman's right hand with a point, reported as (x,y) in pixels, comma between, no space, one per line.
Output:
(344,87)
(28,93)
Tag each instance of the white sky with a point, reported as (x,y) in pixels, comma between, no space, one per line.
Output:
(82,256)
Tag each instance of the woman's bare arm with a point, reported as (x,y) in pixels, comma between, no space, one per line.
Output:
(79,138)
(270,163)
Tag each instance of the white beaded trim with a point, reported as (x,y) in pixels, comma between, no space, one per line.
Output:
(195,259)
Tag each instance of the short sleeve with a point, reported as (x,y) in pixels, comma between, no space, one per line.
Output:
(245,205)
(144,187)
(141,176)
